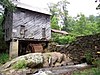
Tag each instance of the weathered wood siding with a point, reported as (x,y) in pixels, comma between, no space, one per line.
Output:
(33,22)
(8,26)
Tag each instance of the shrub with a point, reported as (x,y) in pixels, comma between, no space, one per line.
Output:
(96,62)
(4,57)
(92,71)
(20,64)
(66,39)
(88,56)
(63,39)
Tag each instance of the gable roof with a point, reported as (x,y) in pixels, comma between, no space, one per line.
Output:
(28,7)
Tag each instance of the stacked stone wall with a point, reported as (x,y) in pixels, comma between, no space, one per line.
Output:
(80,47)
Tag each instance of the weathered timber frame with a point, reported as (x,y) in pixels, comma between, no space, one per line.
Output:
(24,24)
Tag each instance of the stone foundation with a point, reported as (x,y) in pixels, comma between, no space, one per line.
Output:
(13,52)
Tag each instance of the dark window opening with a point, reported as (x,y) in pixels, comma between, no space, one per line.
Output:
(22,31)
(43,33)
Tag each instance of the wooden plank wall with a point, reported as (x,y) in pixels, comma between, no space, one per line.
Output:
(33,22)
(8,26)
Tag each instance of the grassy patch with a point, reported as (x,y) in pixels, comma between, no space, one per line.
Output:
(92,71)
(20,64)
(96,62)
(4,57)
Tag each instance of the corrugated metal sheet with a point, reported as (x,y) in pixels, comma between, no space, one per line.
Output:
(28,7)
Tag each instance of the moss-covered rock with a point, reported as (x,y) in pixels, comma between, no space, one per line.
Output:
(33,61)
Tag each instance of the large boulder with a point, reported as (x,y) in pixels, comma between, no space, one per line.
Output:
(47,59)
(55,59)
(32,60)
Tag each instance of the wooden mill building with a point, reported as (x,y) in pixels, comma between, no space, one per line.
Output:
(26,29)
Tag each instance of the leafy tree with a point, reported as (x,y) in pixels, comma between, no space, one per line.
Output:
(54,23)
(53,9)
(59,11)
(63,13)
(79,25)
(85,26)
(98,23)
(70,24)
(54,18)
(7,5)
(91,18)
(76,26)
(2,42)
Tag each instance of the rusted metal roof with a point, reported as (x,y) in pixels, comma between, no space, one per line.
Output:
(31,8)
(60,32)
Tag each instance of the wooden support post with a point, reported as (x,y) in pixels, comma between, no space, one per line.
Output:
(13,52)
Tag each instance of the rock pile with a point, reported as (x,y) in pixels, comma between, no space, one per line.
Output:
(80,47)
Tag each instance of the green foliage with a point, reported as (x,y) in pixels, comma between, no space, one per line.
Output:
(1,30)
(65,39)
(85,25)
(96,62)
(54,23)
(4,57)
(63,12)
(88,56)
(59,12)
(2,42)
(20,64)
(61,39)
(7,4)
(70,23)
(77,26)
(92,71)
